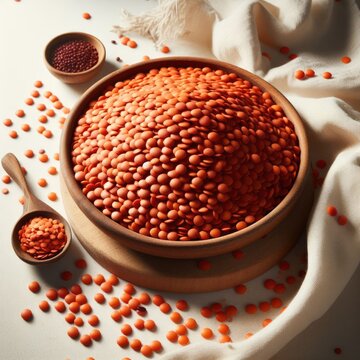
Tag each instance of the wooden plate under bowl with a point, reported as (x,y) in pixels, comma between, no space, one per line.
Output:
(181,249)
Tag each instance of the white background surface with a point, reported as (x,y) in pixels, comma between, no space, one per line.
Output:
(25,28)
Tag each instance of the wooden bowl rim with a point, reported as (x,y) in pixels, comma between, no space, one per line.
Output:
(110,225)
(75,35)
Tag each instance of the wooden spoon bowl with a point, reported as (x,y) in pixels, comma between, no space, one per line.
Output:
(33,207)
(182,249)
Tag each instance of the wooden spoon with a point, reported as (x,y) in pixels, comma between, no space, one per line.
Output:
(33,207)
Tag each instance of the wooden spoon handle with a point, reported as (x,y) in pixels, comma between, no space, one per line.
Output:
(12,166)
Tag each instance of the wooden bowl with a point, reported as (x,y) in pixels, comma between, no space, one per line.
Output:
(182,249)
(78,77)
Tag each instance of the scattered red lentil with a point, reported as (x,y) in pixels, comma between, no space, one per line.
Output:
(13,134)
(135,344)
(52,294)
(44,306)
(279,288)
(106,287)
(50,112)
(176,317)
(144,298)
(93,320)
(52,196)
(122,341)
(224,329)
(60,306)
(269,284)
(206,312)
(290,280)
(99,279)
(6,179)
(43,158)
(86,309)
(29,101)
(191,323)
(345,59)
(172,336)
(264,306)
(139,324)
(125,310)
(299,74)
(156,346)
(86,16)
(183,340)
(27,314)
(225,339)
(331,210)
(85,340)
(337,351)
(276,303)
(70,318)
(284,50)
(38,84)
(5,191)
(284,265)
(113,279)
(41,129)
(266,322)
(66,275)
(35,94)
(146,350)
(125,297)
(42,238)
(165,49)
(114,302)
(309,73)
(129,288)
(132,44)
(20,113)
(73,332)
(7,122)
(41,107)
(182,305)
(165,308)
(95,334)
(150,325)
(116,315)
(34,287)
(157,300)
(25,127)
(207,333)
(240,289)
(251,308)
(62,292)
(342,220)
(327,75)
(79,321)
(248,335)
(99,298)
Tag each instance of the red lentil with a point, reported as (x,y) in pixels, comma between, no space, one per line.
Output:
(114,302)
(20,113)
(44,306)
(99,298)
(156,345)
(225,339)
(284,50)
(122,341)
(176,317)
(342,220)
(35,94)
(86,16)
(27,314)
(52,294)
(13,134)
(135,344)
(139,324)
(79,321)
(113,279)
(106,287)
(207,333)
(161,153)
(99,279)
(158,300)
(60,306)
(7,122)
(74,307)
(73,332)
(116,315)
(165,49)
(129,288)
(165,308)
(95,334)
(52,196)
(29,101)
(276,303)
(172,336)
(125,310)
(299,74)
(93,320)
(279,288)
(337,351)
(42,238)
(62,292)
(34,287)
(38,84)
(150,325)
(146,350)
(29,153)
(327,75)
(309,72)
(41,107)
(70,318)
(269,284)
(132,44)
(345,59)
(25,127)
(85,340)
(47,133)
(284,265)
(251,308)
(266,322)
(240,289)
(331,210)
(183,340)
(6,179)
(144,298)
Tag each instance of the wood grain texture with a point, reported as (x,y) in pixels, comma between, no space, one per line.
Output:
(182,249)
(182,275)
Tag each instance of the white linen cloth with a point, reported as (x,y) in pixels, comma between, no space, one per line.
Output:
(320,32)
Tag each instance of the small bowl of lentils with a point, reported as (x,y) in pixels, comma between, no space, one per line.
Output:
(74,57)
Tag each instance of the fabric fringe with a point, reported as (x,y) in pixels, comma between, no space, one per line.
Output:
(164,23)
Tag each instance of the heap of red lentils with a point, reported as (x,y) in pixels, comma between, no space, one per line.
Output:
(185,153)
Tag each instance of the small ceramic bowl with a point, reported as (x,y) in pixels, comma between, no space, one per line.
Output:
(183,249)
(78,77)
